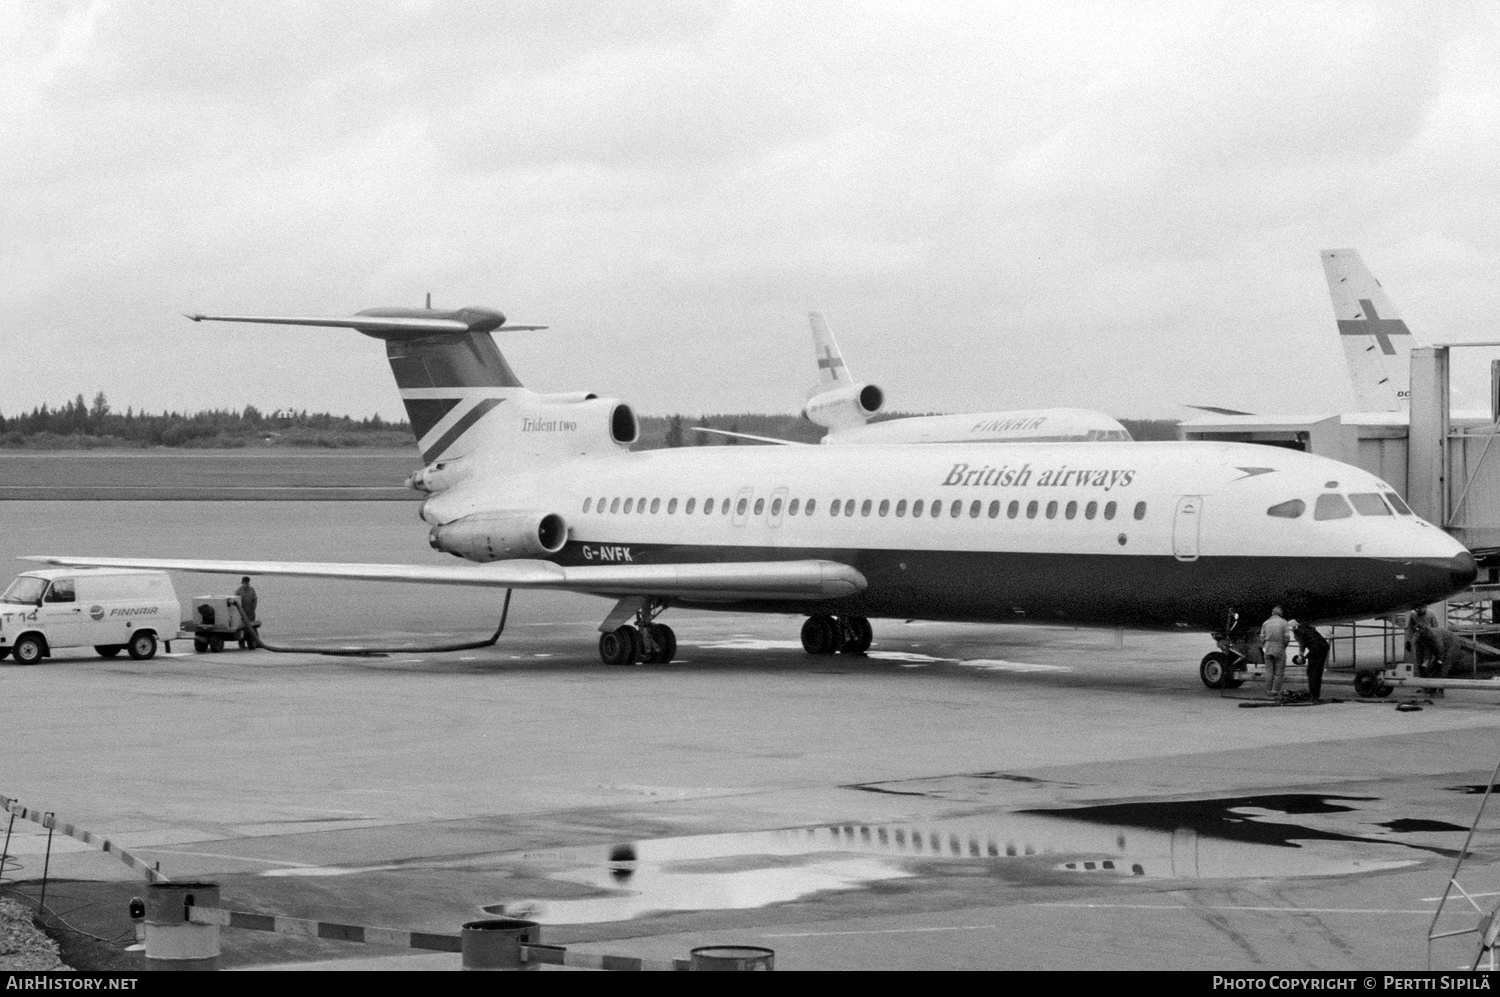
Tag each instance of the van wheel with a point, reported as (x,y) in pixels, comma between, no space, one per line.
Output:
(216,643)
(108,650)
(4,653)
(142,645)
(28,650)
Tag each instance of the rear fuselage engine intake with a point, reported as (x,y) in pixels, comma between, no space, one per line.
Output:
(843,408)
(499,536)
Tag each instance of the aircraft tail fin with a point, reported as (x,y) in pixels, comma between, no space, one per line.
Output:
(447,367)
(831,369)
(1377,343)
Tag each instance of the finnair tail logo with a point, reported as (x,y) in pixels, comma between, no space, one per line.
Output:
(1369,323)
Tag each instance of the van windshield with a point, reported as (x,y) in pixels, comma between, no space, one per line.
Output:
(25,589)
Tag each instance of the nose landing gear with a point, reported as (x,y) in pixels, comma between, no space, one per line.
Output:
(823,634)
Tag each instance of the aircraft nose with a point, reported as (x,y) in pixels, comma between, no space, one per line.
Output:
(1462,570)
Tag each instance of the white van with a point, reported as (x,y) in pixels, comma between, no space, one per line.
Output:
(110,609)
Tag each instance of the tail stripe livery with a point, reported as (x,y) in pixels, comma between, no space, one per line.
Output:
(459,428)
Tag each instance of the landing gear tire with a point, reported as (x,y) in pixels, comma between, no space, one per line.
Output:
(142,645)
(108,650)
(620,646)
(1367,684)
(857,635)
(820,635)
(1216,672)
(28,650)
(664,643)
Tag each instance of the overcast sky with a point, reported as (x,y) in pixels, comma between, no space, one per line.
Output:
(1111,205)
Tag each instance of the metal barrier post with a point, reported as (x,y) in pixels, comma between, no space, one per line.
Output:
(732,959)
(494,945)
(41,904)
(172,941)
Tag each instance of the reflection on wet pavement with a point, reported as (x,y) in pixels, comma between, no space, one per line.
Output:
(1245,837)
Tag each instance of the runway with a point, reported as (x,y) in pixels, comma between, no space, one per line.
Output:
(949,801)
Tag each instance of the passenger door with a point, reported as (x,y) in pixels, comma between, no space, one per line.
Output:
(61,615)
(1185,527)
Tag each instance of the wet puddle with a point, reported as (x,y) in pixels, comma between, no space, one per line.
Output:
(1247,837)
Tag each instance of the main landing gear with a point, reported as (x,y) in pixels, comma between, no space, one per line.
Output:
(646,642)
(823,634)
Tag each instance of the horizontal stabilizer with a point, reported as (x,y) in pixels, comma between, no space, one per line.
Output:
(402,326)
(1217,410)
(717,582)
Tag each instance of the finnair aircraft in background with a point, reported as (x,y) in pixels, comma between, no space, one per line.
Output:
(845,409)
(543,491)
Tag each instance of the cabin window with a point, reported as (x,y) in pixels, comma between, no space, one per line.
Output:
(1369,504)
(739,509)
(974,508)
(1331,505)
(1395,500)
(1109,510)
(1012,509)
(1071,510)
(955,508)
(586,503)
(901,508)
(937,508)
(760,505)
(849,508)
(671,506)
(629,504)
(724,507)
(1031,508)
(776,507)
(812,506)
(1140,510)
(1052,509)
(864,509)
(995,509)
(708,506)
(885,506)
(838,504)
(1090,510)
(1290,509)
(791,509)
(655,505)
(687,510)
(916,508)
(614,505)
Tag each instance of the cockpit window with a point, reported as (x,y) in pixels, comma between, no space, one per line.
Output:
(1369,504)
(1290,509)
(1332,506)
(1397,504)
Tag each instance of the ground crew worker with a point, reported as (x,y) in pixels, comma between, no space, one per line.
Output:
(248,599)
(1315,653)
(1274,636)
(1420,642)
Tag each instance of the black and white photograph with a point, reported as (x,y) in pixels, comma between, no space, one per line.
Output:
(740,485)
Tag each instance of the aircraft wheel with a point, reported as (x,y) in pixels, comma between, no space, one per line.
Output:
(619,646)
(1366,684)
(142,645)
(665,641)
(28,650)
(108,650)
(857,635)
(1215,671)
(820,635)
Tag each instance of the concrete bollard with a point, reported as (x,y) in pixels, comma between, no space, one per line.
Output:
(732,959)
(495,945)
(172,941)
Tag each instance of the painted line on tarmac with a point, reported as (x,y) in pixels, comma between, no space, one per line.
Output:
(1267,910)
(885,931)
(1433,900)
(224,855)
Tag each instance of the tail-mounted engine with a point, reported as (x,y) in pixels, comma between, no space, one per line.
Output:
(498,536)
(844,408)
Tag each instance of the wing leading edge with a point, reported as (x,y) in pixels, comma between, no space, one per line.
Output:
(726,582)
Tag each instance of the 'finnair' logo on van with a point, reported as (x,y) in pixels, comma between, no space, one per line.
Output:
(136,611)
(96,613)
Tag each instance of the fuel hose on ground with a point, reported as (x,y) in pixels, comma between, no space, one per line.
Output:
(254,639)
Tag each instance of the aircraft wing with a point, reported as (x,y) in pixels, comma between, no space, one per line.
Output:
(716,582)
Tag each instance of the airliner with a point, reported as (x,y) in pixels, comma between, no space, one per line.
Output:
(845,407)
(543,491)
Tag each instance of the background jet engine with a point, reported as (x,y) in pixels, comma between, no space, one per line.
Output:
(844,408)
(497,536)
